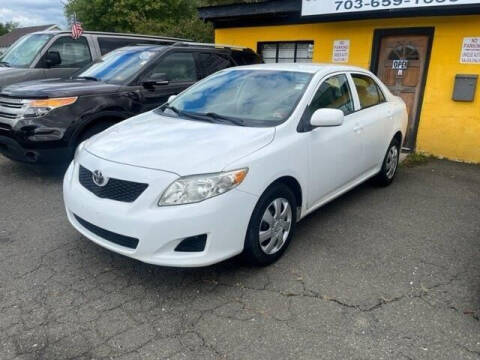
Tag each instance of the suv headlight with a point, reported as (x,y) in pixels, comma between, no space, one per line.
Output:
(196,188)
(38,108)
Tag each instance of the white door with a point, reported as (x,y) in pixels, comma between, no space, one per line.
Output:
(335,153)
(373,117)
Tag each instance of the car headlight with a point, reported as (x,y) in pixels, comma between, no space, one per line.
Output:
(193,189)
(38,108)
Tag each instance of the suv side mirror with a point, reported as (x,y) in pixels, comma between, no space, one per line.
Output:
(171,98)
(157,79)
(327,117)
(53,59)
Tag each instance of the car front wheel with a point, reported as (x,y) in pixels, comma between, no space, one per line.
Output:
(271,226)
(390,164)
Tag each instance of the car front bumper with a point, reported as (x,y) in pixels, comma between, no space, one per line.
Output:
(224,219)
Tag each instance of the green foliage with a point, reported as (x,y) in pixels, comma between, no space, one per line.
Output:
(7,27)
(416,159)
(176,18)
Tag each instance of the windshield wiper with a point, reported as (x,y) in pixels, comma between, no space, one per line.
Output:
(173,108)
(231,120)
(87,78)
(189,115)
(4,63)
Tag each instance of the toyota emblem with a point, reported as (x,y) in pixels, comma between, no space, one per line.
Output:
(99,179)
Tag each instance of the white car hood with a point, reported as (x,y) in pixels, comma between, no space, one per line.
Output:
(184,147)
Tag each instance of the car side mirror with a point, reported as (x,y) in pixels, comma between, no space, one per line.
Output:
(171,98)
(52,59)
(153,80)
(327,117)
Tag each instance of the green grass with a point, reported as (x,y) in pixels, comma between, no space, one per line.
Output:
(416,159)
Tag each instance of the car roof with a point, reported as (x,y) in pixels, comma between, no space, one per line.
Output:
(113,34)
(141,47)
(162,40)
(311,68)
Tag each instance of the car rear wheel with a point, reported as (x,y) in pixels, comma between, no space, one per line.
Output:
(390,164)
(271,226)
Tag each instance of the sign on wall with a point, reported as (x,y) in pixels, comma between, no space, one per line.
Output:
(325,7)
(341,51)
(470,51)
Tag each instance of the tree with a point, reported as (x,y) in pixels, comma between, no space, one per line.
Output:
(7,27)
(177,18)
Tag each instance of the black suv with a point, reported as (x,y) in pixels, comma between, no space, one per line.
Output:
(44,121)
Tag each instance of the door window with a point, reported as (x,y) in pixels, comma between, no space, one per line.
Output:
(334,93)
(178,67)
(211,63)
(368,91)
(73,53)
(108,44)
(245,57)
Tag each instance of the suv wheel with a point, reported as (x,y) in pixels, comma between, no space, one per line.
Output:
(271,226)
(94,130)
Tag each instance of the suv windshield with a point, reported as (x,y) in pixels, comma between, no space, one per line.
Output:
(255,97)
(118,66)
(24,51)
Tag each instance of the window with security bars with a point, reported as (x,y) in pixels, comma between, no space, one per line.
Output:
(286,52)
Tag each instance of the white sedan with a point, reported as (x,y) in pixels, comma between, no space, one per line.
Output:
(233,163)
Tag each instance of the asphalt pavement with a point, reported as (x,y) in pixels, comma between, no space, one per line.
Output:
(381,273)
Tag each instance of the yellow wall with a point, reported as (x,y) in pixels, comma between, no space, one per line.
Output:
(447,128)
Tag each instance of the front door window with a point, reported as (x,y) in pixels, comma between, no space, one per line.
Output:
(73,53)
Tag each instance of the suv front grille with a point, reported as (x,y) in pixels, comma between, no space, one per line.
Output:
(115,238)
(11,109)
(5,127)
(115,189)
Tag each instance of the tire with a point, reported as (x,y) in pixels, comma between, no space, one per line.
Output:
(390,164)
(277,229)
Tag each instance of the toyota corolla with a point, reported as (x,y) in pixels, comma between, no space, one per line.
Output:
(231,165)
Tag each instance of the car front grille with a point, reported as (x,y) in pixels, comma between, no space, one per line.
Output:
(115,238)
(115,189)
(11,109)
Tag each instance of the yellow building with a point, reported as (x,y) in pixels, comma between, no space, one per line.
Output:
(426,51)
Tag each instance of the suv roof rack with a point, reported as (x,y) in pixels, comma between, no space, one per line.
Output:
(221,46)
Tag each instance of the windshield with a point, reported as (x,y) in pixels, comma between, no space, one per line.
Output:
(256,97)
(118,66)
(22,53)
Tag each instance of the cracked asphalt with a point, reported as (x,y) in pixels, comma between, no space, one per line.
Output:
(391,273)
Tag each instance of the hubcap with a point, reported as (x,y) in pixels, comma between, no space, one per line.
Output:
(275,226)
(392,161)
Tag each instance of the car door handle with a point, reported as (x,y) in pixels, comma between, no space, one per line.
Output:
(357,128)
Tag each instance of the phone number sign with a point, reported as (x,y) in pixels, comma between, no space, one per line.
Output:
(325,7)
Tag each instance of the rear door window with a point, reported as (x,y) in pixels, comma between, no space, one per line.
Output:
(368,91)
(245,57)
(178,67)
(108,44)
(211,63)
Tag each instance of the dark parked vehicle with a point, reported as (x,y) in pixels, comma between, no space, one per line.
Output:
(55,54)
(45,120)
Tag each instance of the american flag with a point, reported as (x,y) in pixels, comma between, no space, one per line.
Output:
(77,29)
